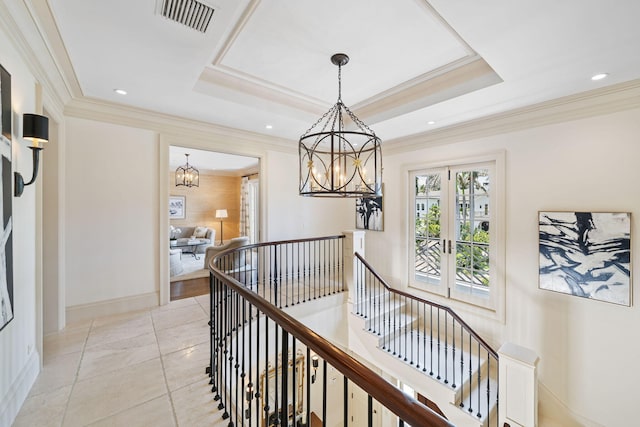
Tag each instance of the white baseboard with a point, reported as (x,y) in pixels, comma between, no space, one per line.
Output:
(11,403)
(110,307)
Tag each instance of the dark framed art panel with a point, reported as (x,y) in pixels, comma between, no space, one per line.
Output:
(369,213)
(586,254)
(6,234)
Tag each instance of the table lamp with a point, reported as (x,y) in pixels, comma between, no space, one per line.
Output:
(221,214)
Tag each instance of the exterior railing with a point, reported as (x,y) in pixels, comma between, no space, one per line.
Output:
(431,337)
(269,369)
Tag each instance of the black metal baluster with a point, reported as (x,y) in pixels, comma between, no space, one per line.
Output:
(488,388)
(395,315)
(453,354)
(461,367)
(370,411)
(235,355)
(298,267)
(308,366)
(479,415)
(265,390)
(411,335)
(324,268)
(243,372)
(470,409)
(431,338)
(257,383)
(276,401)
(294,383)
(250,384)
(438,366)
(286,276)
(424,337)
(345,412)
(380,307)
(446,349)
(406,325)
(324,392)
(315,268)
(284,406)
(304,271)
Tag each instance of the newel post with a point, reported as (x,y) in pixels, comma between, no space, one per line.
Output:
(518,385)
(353,242)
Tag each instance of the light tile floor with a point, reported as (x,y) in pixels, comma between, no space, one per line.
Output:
(145,368)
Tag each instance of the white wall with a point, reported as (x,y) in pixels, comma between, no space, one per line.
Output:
(291,216)
(111,212)
(588,349)
(19,362)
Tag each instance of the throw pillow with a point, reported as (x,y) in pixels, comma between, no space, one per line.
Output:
(200,232)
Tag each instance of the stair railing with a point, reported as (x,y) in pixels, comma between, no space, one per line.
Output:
(431,337)
(266,367)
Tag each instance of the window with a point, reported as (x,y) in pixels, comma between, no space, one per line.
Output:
(454,244)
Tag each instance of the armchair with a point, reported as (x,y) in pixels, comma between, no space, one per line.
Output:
(237,261)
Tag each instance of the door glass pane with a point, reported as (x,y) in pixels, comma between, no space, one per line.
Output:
(428,249)
(472,231)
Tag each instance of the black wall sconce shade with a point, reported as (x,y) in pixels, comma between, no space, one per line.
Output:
(36,128)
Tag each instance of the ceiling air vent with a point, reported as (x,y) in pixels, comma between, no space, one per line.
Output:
(191,13)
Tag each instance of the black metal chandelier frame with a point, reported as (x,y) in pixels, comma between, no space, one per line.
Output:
(339,162)
(187,175)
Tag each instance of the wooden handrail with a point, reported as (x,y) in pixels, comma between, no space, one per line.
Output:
(404,406)
(274,243)
(434,304)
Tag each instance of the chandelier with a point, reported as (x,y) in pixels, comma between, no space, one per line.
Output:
(339,159)
(187,175)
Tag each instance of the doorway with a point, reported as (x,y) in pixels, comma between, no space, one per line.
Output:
(217,203)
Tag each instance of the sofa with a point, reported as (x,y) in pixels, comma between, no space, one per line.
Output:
(183,234)
(237,261)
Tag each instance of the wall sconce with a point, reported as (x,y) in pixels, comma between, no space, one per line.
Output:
(36,128)
(314,363)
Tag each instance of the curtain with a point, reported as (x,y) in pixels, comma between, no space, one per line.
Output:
(245,208)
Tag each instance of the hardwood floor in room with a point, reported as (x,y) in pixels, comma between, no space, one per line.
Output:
(189,288)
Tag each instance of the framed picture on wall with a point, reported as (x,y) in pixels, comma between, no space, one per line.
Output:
(6,233)
(369,213)
(586,254)
(177,207)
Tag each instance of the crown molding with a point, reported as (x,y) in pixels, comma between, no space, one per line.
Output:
(21,24)
(92,109)
(452,80)
(610,99)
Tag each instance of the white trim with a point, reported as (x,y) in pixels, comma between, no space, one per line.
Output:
(163,221)
(81,312)
(495,309)
(611,99)
(183,129)
(11,403)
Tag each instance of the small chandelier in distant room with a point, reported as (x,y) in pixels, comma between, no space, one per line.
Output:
(187,175)
(339,159)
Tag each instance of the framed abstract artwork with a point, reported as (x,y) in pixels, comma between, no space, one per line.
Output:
(369,213)
(586,254)
(6,234)
(177,207)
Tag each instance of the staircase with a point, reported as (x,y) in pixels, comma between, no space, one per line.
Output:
(434,342)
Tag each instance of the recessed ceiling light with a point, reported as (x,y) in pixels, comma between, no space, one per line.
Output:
(431,122)
(120,91)
(599,76)
(269,127)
